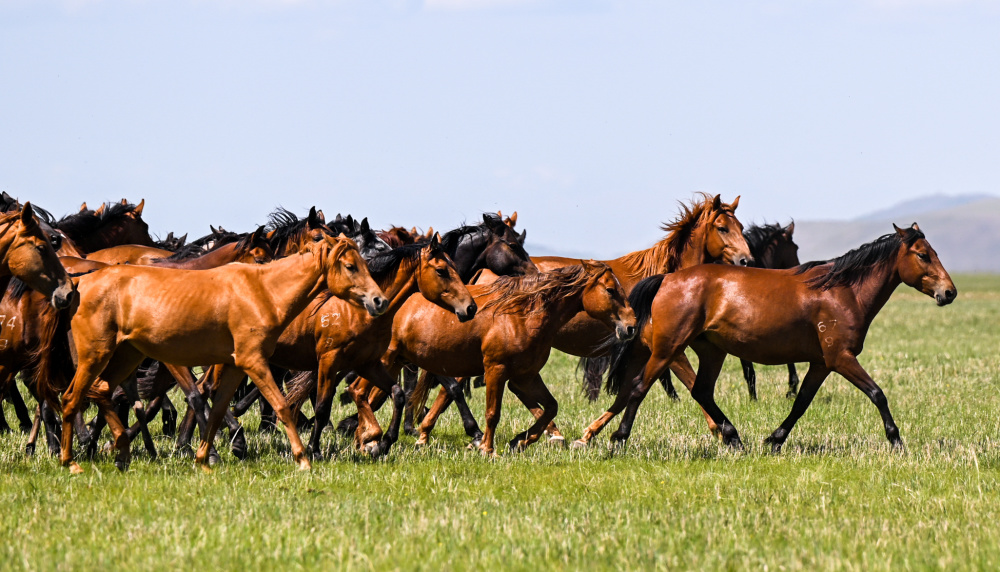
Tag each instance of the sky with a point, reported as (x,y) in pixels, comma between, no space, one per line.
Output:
(591,118)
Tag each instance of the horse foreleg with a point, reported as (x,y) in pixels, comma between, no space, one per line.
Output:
(20,408)
(847,365)
(227,378)
(410,373)
(496,377)
(638,361)
(386,381)
(29,449)
(815,376)
(260,372)
(132,394)
(538,399)
(441,402)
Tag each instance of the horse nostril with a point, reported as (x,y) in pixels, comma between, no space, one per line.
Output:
(471,310)
(630,330)
(744,261)
(950,294)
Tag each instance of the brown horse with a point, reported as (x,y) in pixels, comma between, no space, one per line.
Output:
(230,315)
(509,339)
(111,224)
(813,313)
(249,248)
(27,254)
(335,337)
(707,231)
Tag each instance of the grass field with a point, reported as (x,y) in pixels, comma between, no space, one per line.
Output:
(837,497)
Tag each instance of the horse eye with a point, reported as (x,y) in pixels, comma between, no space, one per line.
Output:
(350,267)
(723,230)
(923,257)
(442,272)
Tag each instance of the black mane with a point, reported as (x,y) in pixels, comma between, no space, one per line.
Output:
(88,221)
(851,268)
(195,250)
(285,226)
(386,264)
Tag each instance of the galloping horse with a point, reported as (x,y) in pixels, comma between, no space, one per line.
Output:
(230,315)
(335,337)
(707,231)
(509,339)
(812,313)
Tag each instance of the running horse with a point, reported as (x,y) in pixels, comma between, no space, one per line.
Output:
(509,340)
(816,313)
(230,315)
(707,231)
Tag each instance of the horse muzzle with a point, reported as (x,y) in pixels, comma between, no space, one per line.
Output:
(945,297)
(62,297)
(468,313)
(625,333)
(376,305)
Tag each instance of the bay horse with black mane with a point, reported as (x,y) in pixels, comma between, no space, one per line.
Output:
(816,313)
(230,315)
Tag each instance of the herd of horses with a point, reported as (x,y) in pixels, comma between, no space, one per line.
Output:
(97,311)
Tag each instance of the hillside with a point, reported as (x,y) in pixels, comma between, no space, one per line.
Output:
(965,234)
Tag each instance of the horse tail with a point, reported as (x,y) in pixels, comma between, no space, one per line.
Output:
(419,396)
(299,388)
(641,300)
(593,369)
(146,381)
(50,366)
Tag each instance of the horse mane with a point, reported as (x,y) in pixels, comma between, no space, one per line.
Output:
(285,226)
(9,217)
(852,267)
(665,255)
(192,250)
(760,238)
(16,288)
(384,266)
(450,239)
(529,293)
(88,221)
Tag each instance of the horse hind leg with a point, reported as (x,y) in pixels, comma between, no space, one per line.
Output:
(793,381)
(455,391)
(227,379)
(20,408)
(710,359)
(260,372)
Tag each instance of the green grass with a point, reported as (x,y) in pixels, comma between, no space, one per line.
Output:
(837,497)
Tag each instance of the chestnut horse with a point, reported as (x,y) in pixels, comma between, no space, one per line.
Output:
(27,254)
(707,231)
(230,315)
(335,337)
(813,313)
(509,339)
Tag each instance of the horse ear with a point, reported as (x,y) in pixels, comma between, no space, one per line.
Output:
(899,231)
(790,228)
(735,204)
(435,243)
(28,216)
(139,207)
(592,266)
(182,240)
(321,216)
(521,237)
(212,228)
(313,220)
(83,207)
(258,235)
(915,227)
(100,210)
(717,203)
(493,223)
(513,220)
(365,227)
(124,202)
(170,236)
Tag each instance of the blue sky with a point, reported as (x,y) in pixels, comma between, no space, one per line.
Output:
(590,118)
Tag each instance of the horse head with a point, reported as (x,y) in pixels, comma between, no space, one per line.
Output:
(29,256)
(605,300)
(920,268)
(724,239)
(440,282)
(347,275)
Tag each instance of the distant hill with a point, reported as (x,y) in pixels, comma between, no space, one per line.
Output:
(964,230)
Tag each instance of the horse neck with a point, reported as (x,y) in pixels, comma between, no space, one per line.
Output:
(403,285)
(290,283)
(212,259)
(7,236)
(657,259)
(874,291)
(695,250)
(556,313)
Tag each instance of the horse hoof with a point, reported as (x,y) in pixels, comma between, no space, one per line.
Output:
(370,448)
(205,469)
(184,451)
(411,432)
(558,440)
(29,449)
(240,452)
(578,444)
(213,458)
(122,466)
(790,394)
(75,469)
(304,464)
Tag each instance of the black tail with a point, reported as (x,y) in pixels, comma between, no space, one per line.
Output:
(641,300)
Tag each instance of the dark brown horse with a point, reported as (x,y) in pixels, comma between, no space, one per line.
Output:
(813,313)
(509,339)
(110,225)
(230,315)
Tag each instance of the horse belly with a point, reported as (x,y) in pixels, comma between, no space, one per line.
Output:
(764,342)
(582,336)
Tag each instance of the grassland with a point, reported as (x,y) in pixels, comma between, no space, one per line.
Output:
(837,497)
